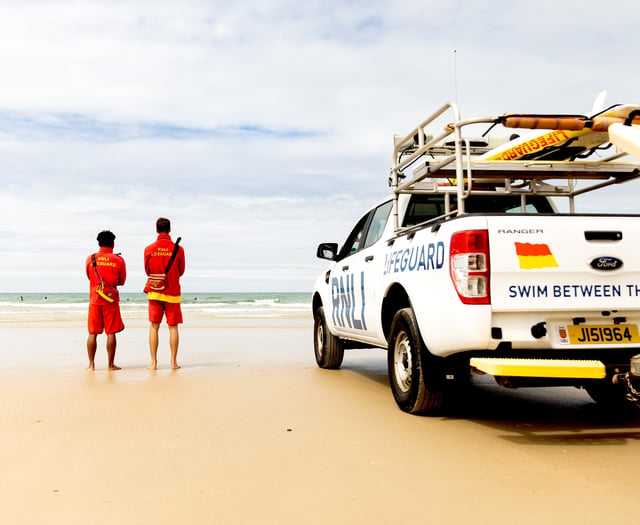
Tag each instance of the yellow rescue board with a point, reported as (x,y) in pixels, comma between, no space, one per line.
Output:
(559,368)
(560,144)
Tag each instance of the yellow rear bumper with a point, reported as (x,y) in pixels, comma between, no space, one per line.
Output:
(559,368)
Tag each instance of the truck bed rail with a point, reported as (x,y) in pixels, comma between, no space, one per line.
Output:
(445,161)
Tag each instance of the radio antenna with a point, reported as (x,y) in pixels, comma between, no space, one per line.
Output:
(455,76)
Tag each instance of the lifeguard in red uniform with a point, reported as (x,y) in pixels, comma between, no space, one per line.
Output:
(165,302)
(106,271)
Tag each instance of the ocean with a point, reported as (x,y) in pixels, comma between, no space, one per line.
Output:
(73,306)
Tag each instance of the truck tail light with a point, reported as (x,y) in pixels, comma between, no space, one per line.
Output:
(469,266)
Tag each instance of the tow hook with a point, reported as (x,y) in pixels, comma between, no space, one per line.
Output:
(539,330)
(631,380)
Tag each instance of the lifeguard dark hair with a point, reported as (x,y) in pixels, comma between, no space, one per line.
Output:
(105,238)
(163,225)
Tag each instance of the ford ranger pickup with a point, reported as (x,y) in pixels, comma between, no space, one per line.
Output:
(479,262)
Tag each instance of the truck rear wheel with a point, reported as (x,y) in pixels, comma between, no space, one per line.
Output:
(328,349)
(408,363)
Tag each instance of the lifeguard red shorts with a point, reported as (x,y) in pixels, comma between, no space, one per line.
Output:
(159,308)
(105,317)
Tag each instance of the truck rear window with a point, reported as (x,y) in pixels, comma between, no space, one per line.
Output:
(426,207)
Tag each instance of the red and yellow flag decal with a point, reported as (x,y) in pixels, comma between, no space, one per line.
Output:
(534,256)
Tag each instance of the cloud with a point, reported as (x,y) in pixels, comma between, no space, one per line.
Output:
(83,128)
(259,128)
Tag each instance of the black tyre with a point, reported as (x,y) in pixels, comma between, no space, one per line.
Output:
(411,368)
(609,395)
(329,349)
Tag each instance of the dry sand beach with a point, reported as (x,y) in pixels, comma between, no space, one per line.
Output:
(251,431)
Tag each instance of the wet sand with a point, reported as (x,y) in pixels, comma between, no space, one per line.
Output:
(251,431)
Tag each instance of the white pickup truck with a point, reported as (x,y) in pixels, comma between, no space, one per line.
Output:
(470,267)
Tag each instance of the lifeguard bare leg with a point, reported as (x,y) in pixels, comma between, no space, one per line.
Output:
(92,346)
(153,345)
(111,351)
(174,341)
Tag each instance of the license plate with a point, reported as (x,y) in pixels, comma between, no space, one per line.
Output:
(598,334)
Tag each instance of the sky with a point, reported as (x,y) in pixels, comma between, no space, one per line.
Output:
(260,128)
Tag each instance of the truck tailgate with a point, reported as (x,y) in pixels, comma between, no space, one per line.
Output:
(564,263)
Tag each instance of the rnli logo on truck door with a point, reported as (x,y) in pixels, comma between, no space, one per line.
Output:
(348,304)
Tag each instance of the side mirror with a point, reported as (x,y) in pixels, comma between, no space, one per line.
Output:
(327,250)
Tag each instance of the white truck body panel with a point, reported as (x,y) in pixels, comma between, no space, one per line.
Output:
(572,283)
(518,295)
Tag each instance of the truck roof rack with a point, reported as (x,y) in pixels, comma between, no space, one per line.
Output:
(548,164)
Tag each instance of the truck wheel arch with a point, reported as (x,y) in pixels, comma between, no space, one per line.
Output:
(395,299)
(316,302)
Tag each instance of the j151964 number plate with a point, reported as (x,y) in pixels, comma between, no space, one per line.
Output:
(597,334)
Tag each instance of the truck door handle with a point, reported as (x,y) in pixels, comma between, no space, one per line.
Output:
(345,268)
(603,235)
(368,258)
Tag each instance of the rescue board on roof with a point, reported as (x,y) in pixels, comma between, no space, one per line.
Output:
(566,138)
